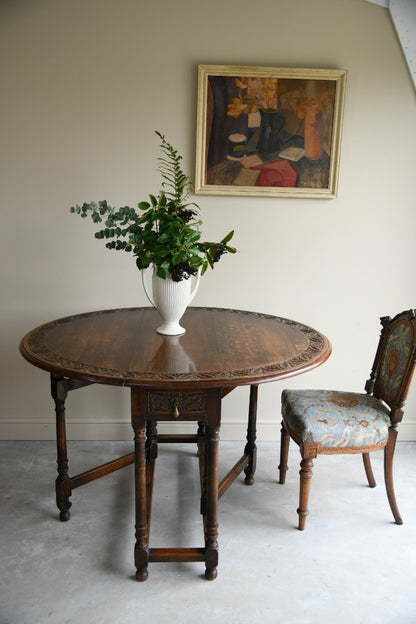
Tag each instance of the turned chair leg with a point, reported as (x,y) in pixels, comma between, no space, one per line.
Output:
(388,474)
(284,453)
(368,470)
(305,473)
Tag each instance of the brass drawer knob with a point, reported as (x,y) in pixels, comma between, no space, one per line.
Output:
(176,404)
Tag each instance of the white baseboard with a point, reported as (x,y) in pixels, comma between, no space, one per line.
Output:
(115,430)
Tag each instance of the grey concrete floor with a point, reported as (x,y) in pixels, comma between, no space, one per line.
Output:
(350,565)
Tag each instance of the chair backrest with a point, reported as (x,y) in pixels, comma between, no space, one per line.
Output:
(395,361)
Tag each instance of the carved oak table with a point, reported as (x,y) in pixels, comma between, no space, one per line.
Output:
(180,378)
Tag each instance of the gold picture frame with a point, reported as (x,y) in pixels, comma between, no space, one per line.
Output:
(269,131)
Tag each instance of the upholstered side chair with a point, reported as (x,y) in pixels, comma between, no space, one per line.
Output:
(323,422)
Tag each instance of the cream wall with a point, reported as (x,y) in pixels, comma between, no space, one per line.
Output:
(83,85)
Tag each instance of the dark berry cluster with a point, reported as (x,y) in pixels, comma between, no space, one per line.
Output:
(219,251)
(187,214)
(182,271)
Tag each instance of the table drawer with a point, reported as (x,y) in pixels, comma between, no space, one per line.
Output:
(176,405)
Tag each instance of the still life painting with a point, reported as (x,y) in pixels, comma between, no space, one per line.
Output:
(269,131)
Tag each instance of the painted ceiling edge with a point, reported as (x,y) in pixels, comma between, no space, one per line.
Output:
(403,16)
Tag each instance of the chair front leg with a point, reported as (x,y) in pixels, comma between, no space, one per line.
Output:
(305,473)
(388,473)
(284,454)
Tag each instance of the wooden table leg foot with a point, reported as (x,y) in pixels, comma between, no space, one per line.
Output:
(63,492)
(141,575)
(211,574)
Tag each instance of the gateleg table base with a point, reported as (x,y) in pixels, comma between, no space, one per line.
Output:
(147,409)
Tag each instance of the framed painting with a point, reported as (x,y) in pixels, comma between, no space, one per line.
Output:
(268,131)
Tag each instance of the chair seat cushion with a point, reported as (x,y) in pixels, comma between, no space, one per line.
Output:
(334,419)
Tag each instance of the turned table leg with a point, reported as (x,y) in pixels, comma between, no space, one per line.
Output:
(251,449)
(141,548)
(211,530)
(59,393)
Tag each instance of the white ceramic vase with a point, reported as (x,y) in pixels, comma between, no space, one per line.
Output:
(170,299)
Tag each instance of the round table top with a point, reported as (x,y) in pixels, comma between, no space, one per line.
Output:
(220,348)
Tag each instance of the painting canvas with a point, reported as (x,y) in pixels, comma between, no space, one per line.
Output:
(268,131)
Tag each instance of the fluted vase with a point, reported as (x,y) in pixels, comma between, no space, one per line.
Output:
(171,299)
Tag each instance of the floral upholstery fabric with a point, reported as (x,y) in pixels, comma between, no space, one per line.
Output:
(395,359)
(334,419)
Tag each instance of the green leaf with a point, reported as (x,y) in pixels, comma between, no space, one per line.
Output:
(227,238)
(194,250)
(178,257)
(193,236)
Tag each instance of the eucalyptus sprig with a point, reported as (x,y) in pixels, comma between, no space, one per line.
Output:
(165,232)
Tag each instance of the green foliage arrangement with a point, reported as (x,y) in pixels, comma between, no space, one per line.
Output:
(164,232)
